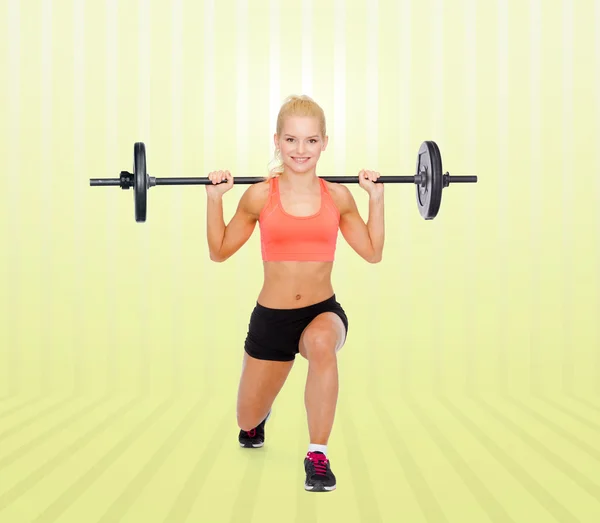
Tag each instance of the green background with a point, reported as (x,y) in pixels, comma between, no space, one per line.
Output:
(470,381)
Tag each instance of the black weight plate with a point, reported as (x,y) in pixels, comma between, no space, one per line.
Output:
(140,181)
(429,194)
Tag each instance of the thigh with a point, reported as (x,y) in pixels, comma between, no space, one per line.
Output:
(326,331)
(260,383)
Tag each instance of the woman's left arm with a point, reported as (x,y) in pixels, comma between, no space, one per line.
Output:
(366,239)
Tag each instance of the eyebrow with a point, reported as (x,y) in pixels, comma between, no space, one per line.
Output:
(292,136)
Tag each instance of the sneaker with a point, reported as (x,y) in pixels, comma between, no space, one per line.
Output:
(319,477)
(254,438)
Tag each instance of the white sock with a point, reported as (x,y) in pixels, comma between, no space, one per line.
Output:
(313,447)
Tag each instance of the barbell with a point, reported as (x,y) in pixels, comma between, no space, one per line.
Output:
(429,180)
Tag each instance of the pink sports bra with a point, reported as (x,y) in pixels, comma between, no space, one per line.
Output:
(298,238)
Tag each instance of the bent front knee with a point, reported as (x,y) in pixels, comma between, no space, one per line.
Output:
(321,349)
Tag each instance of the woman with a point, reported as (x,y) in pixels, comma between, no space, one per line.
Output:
(299,215)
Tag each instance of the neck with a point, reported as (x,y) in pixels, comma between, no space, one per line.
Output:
(300,180)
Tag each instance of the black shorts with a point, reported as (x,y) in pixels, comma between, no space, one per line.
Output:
(274,334)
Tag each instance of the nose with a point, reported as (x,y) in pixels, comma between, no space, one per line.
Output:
(300,148)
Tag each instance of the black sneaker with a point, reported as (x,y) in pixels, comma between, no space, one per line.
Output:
(254,438)
(319,477)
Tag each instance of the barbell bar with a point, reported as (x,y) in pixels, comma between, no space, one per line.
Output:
(429,180)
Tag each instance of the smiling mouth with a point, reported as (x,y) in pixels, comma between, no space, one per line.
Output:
(300,159)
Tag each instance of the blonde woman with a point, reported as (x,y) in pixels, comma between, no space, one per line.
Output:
(299,215)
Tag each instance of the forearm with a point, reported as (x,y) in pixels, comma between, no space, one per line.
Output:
(215,225)
(375,225)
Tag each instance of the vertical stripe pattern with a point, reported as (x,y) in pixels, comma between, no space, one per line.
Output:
(536,190)
(112,135)
(503,173)
(47,181)
(567,190)
(13,106)
(471,163)
(177,162)
(79,163)
(307,47)
(144,132)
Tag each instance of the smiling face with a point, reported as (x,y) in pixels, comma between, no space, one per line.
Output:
(300,143)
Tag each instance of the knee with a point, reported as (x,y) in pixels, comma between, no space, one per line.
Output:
(249,419)
(320,346)
(245,422)
(245,426)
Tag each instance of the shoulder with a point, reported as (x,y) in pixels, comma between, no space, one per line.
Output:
(255,197)
(341,196)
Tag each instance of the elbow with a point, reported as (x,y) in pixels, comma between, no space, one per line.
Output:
(375,258)
(216,258)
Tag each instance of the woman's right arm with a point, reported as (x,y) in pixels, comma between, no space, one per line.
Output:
(226,240)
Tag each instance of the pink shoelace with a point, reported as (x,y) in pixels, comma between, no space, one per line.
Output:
(319,461)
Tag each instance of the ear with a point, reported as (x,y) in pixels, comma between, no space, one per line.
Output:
(325,142)
(276,141)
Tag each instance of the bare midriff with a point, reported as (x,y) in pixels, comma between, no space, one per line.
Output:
(292,284)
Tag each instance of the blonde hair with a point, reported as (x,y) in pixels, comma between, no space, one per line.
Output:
(295,105)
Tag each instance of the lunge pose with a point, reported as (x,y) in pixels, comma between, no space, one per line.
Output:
(299,215)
